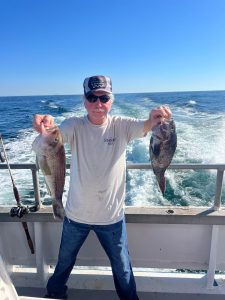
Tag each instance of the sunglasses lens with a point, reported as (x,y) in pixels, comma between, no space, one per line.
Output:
(104,98)
(93,98)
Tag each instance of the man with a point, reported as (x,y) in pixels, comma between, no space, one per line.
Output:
(97,184)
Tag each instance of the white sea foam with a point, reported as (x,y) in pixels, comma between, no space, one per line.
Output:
(192,102)
(53,105)
(201,139)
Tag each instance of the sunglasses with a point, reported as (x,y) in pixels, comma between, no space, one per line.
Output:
(93,98)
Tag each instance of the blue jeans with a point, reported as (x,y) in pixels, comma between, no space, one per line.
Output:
(113,239)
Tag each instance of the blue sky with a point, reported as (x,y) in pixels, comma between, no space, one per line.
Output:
(50,46)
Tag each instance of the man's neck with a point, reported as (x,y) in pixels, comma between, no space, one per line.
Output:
(96,121)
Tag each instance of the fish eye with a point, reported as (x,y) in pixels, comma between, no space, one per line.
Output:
(56,139)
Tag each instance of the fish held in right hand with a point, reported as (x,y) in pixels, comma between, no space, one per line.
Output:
(51,159)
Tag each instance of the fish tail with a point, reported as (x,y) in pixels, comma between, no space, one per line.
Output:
(58,210)
(161,181)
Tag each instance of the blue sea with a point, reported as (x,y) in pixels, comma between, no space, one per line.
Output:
(200,122)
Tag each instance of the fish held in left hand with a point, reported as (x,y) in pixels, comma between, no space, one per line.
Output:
(51,159)
(162,147)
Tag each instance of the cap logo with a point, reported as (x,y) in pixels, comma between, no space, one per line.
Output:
(97,83)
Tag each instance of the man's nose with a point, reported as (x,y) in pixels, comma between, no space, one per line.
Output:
(98,102)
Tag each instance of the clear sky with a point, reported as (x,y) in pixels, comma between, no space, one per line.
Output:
(50,46)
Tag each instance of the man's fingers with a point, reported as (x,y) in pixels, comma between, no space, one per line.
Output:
(167,112)
(37,119)
(161,112)
(47,120)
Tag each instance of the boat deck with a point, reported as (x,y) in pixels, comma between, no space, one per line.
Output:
(111,295)
(160,239)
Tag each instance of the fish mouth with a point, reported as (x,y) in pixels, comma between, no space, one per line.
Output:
(45,130)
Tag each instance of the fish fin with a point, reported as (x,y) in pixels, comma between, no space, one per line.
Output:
(37,163)
(43,163)
(35,144)
(174,141)
(58,210)
(48,188)
(155,149)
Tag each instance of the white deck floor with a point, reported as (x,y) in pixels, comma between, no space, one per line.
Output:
(110,295)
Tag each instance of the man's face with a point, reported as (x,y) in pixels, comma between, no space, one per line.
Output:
(97,111)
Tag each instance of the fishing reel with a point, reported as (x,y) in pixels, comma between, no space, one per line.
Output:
(19,211)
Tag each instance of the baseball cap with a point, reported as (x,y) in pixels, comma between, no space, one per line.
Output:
(97,84)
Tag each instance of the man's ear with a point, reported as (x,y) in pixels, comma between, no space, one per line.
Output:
(85,103)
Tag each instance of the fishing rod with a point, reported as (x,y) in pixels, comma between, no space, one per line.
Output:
(20,210)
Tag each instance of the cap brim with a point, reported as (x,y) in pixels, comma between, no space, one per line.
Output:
(97,90)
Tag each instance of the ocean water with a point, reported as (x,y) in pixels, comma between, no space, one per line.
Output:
(200,122)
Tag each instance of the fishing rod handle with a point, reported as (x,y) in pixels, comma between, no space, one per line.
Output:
(2,158)
(29,240)
(16,194)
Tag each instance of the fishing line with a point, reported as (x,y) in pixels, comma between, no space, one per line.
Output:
(10,173)
(20,210)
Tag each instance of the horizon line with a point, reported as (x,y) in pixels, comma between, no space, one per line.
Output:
(41,95)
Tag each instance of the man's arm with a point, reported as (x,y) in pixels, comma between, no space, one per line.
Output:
(157,115)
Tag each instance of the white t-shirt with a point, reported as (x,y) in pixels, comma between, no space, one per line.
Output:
(98,167)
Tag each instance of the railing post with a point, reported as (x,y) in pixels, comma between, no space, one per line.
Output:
(219,182)
(40,246)
(36,188)
(212,257)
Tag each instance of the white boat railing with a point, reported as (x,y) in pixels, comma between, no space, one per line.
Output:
(159,238)
(220,168)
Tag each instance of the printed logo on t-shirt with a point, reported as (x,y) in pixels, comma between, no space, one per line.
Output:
(110,141)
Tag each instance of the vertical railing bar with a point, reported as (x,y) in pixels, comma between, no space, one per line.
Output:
(218,192)
(212,257)
(42,267)
(37,196)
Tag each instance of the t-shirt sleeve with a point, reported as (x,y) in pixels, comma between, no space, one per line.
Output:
(134,128)
(67,128)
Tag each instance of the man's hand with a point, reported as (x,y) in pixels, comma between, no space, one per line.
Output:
(160,114)
(157,116)
(46,120)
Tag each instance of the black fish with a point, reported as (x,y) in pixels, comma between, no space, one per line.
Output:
(162,146)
